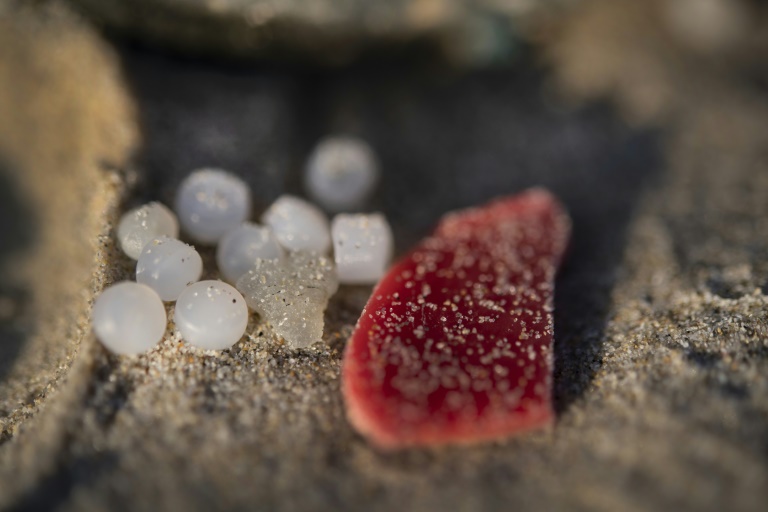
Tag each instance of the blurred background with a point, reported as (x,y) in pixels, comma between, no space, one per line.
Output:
(648,119)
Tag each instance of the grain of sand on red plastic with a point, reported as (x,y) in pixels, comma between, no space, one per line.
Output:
(455,343)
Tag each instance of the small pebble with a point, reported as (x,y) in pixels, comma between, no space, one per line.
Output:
(140,225)
(211,202)
(341,173)
(168,266)
(240,248)
(129,318)
(362,247)
(298,225)
(211,315)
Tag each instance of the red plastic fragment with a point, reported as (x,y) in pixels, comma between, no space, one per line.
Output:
(455,344)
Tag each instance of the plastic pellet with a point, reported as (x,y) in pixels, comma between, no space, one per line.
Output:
(211,315)
(341,173)
(168,266)
(211,202)
(240,248)
(298,225)
(143,224)
(129,318)
(362,247)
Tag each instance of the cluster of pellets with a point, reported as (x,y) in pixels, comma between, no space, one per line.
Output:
(279,268)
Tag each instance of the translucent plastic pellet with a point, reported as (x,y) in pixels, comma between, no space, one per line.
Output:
(129,318)
(211,202)
(341,173)
(316,270)
(168,266)
(292,295)
(240,248)
(145,223)
(211,315)
(298,225)
(362,247)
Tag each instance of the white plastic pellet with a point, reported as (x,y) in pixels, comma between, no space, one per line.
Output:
(341,173)
(168,266)
(298,225)
(129,318)
(362,247)
(211,315)
(211,202)
(240,248)
(142,224)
